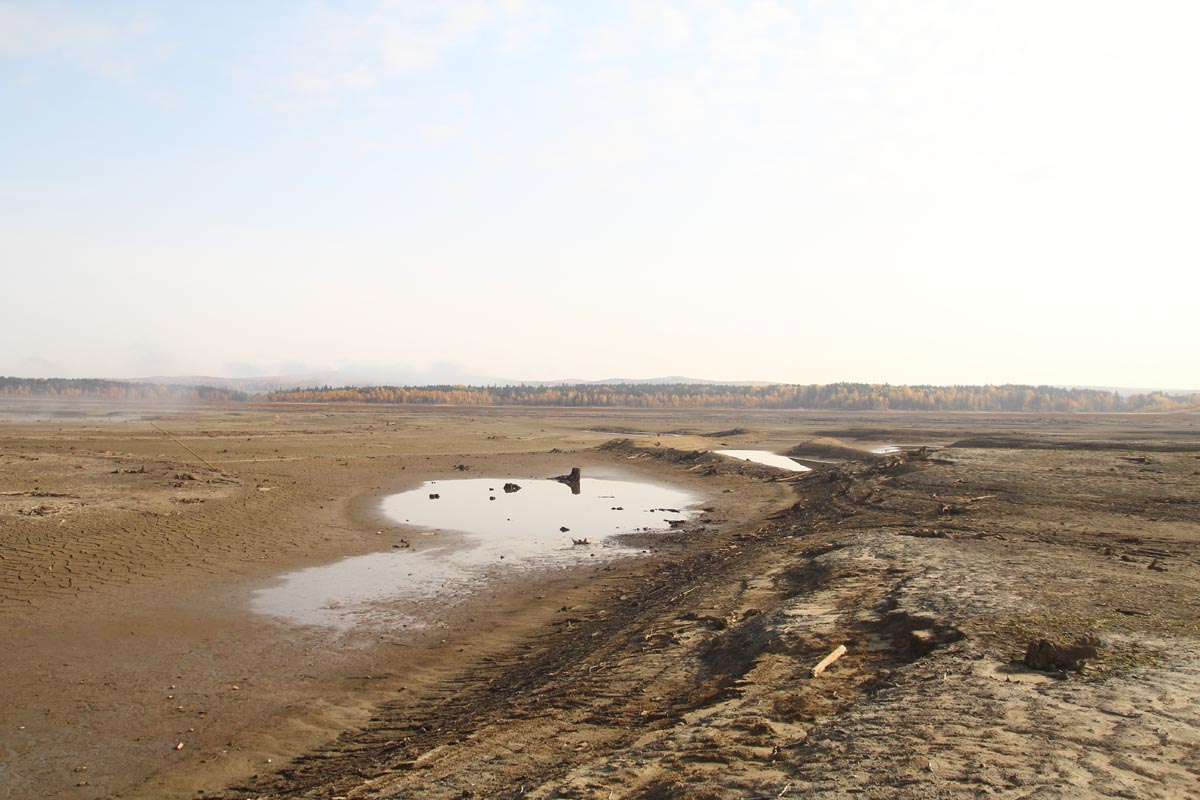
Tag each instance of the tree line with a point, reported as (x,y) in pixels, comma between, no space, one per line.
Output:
(834,396)
(95,388)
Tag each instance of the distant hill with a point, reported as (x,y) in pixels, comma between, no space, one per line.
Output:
(1127,391)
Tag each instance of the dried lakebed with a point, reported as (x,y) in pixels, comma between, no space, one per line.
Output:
(466,532)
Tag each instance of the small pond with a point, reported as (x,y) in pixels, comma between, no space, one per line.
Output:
(465,531)
(765,457)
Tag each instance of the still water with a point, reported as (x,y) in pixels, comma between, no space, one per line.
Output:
(765,457)
(472,530)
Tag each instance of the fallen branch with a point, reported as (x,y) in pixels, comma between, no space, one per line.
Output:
(829,659)
(185,447)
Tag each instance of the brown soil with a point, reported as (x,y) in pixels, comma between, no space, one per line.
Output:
(826,447)
(126,564)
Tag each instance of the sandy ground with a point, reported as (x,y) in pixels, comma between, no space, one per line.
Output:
(127,560)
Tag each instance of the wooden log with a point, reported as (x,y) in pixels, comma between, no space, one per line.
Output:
(829,659)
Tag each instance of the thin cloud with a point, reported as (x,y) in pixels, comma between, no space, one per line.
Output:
(336,50)
(56,31)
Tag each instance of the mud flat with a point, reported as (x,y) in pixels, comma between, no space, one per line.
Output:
(128,570)
(493,529)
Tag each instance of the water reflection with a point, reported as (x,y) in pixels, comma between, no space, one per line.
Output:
(765,457)
(487,525)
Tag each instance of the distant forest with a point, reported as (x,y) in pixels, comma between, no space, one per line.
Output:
(833,396)
(91,388)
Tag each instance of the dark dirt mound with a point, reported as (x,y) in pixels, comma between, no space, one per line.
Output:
(826,447)
(1036,443)
(874,434)
(692,432)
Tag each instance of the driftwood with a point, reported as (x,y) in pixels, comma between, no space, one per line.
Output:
(423,761)
(185,447)
(829,659)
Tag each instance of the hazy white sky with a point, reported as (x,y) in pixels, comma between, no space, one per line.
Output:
(795,191)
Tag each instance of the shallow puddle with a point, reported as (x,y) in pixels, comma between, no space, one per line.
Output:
(487,531)
(765,457)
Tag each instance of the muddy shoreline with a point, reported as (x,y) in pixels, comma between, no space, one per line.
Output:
(680,675)
(141,647)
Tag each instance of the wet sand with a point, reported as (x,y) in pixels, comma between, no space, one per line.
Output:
(128,566)
(125,594)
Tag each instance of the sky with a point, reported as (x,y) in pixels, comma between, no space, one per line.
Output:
(903,192)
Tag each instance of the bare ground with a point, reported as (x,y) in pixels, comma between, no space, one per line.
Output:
(684,675)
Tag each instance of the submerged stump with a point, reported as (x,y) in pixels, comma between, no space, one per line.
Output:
(572,479)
